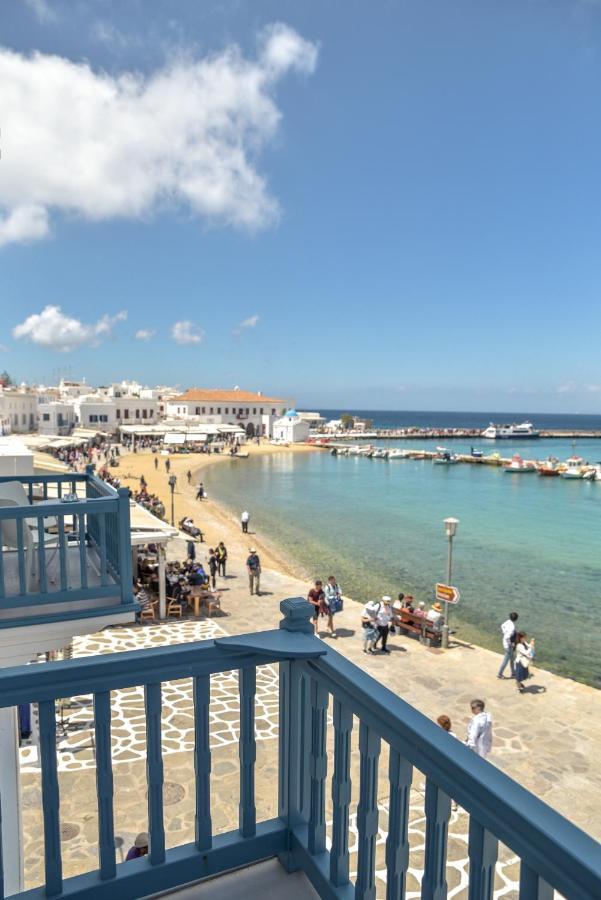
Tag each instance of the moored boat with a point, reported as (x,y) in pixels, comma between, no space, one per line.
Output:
(505,432)
(444,457)
(549,467)
(575,467)
(396,453)
(518,466)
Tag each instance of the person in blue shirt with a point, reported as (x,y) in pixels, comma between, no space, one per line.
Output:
(140,847)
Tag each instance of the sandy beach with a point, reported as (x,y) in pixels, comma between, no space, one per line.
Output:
(547,739)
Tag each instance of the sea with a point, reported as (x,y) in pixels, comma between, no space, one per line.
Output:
(523,542)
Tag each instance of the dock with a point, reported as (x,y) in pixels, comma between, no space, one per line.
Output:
(439,434)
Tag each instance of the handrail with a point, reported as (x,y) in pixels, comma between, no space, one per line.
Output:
(565,856)
(44,511)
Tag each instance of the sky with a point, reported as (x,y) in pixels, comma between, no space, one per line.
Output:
(389,205)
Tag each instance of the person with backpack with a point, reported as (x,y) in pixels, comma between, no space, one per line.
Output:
(253,566)
(508,631)
(332,602)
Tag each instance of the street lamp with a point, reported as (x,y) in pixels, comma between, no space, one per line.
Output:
(450,525)
(172,483)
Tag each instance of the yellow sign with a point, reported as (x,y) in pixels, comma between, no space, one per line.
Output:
(445,593)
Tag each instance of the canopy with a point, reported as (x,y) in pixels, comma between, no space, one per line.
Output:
(174,437)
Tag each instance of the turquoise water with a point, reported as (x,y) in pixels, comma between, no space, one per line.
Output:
(524,542)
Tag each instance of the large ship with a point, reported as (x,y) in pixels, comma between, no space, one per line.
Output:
(523,430)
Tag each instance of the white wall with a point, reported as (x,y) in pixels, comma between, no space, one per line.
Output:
(18,412)
(15,457)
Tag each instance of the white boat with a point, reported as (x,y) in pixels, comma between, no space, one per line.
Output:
(505,432)
(574,467)
(380,453)
(518,466)
(444,457)
(396,453)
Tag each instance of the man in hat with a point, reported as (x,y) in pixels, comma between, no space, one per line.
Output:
(435,615)
(383,619)
(253,565)
(140,847)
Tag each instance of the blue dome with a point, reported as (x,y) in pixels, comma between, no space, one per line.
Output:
(292,413)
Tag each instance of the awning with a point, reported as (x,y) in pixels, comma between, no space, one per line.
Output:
(147,529)
(174,437)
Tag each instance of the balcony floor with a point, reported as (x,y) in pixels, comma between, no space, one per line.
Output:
(266,879)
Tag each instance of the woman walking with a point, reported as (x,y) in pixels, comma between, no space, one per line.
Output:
(332,602)
(524,652)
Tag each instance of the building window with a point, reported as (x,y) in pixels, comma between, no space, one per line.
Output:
(273,412)
(261,410)
(227,410)
(211,411)
(126,414)
(93,418)
(254,410)
(137,414)
(204,409)
(103,418)
(241,411)
(197,411)
(118,413)
(218,410)
(144,414)
(24,418)
(45,417)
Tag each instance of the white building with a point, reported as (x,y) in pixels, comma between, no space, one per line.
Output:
(56,417)
(15,458)
(70,389)
(107,413)
(291,428)
(18,411)
(255,413)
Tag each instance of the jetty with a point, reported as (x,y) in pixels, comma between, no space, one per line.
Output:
(446,434)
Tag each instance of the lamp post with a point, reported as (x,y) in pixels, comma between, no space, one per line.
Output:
(172,483)
(450,525)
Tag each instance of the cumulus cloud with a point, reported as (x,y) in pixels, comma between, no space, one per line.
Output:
(52,328)
(102,146)
(186,332)
(144,334)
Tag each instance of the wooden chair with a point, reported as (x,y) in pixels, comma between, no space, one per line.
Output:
(212,602)
(148,614)
(174,608)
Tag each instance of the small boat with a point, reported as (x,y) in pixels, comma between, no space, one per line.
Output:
(506,432)
(475,453)
(396,453)
(380,453)
(518,466)
(444,457)
(549,467)
(574,468)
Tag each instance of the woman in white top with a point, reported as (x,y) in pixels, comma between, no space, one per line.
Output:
(524,653)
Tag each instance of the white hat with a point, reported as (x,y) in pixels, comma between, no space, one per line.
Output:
(386,599)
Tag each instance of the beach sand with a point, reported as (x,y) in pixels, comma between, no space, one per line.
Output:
(547,739)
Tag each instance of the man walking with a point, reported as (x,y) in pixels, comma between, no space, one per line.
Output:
(253,565)
(508,631)
(221,558)
(244,520)
(200,491)
(383,618)
(479,730)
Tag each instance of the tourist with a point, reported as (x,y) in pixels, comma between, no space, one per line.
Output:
(253,566)
(244,520)
(524,653)
(200,491)
(316,598)
(167,465)
(368,626)
(332,602)
(421,609)
(140,847)
(156,463)
(435,615)
(221,558)
(213,568)
(189,476)
(383,619)
(479,729)
(509,632)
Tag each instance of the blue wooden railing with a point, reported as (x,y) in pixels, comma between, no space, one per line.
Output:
(554,854)
(35,567)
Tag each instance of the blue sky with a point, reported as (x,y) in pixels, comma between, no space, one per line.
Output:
(399,200)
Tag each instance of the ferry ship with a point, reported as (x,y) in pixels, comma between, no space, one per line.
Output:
(523,430)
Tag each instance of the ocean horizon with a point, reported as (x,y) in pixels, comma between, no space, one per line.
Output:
(440,419)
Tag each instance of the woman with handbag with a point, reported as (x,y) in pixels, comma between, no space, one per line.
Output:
(332,602)
(524,653)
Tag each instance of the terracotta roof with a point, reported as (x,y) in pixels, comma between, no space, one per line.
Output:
(199,395)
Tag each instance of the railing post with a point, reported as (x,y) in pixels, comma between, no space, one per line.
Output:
(123,520)
(248,751)
(319,766)
(341,793)
(482,851)
(400,772)
(532,886)
(367,813)
(293,758)
(438,813)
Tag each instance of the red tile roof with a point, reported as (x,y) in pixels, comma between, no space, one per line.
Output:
(200,395)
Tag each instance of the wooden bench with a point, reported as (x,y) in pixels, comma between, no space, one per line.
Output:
(412,623)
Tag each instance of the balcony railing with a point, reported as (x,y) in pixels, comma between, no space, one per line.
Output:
(65,540)
(554,854)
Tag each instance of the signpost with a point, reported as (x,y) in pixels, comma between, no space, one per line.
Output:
(445,593)
(172,483)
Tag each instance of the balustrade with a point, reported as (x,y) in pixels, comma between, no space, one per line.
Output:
(555,855)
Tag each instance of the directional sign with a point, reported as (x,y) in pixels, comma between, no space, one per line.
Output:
(447,594)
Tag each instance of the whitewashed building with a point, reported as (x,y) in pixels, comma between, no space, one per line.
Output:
(291,428)
(256,413)
(108,413)
(56,417)
(18,411)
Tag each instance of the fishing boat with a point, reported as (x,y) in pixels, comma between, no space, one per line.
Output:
(574,468)
(505,432)
(549,467)
(518,466)
(444,457)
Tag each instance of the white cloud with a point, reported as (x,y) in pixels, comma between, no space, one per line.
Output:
(568,387)
(42,10)
(103,146)
(186,332)
(251,322)
(144,334)
(52,328)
